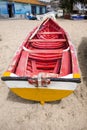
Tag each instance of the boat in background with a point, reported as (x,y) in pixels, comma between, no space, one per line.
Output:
(42,17)
(77,17)
(45,66)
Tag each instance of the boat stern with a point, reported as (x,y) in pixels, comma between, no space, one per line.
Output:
(57,89)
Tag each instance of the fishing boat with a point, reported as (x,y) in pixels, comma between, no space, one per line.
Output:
(77,17)
(45,66)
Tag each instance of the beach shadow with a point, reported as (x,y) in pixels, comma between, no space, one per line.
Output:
(82,57)
(54,102)
(0,38)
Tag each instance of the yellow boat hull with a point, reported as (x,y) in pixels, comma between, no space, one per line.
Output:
(40,94)
(54,91)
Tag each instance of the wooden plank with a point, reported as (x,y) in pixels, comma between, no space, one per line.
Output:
(43,51)
(57,67)
(50,33)
(47,40)
(66,64)
(22,65)
(34,69)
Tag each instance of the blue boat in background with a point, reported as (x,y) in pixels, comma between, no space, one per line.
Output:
(77,17)
(31,17)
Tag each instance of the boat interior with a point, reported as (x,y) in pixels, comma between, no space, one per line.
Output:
(47,51)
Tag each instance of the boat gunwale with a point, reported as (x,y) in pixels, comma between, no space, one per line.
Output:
(9,78)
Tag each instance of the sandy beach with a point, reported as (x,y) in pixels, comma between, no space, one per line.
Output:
(20,114)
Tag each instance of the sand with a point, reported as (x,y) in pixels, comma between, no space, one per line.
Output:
(20,114)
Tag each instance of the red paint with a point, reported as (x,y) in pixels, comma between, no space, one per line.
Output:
(45,52)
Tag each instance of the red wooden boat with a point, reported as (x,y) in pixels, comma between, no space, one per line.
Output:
(45,67)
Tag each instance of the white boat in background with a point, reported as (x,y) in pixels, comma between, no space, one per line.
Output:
(46,15)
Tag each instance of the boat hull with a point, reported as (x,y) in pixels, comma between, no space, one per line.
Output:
(45,66)
(54,91)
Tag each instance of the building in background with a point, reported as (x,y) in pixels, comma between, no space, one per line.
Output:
(80,8)
(47,1)
(19,8)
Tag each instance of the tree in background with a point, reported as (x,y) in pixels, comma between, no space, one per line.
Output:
(68,4)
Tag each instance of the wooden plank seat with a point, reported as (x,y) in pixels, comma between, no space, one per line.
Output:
(47,40)
(59,51)
(44,57)
(46,43)
(49,33)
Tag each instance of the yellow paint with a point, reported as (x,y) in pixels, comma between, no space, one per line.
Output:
(36,2)
(7,73)
(42,102)
(76,75)
(41,94)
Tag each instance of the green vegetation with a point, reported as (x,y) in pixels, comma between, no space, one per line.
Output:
(68,4)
